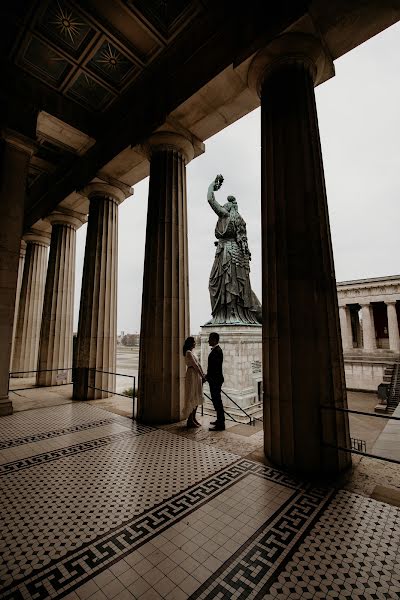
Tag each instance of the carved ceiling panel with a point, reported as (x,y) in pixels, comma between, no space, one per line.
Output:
(64,26)
(41,60)
(111,64)
(89,92)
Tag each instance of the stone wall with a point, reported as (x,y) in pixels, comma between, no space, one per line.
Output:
(363,375)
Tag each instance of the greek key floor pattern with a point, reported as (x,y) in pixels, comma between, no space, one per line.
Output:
(95,506)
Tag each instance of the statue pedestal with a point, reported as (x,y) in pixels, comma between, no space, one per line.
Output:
(242,348)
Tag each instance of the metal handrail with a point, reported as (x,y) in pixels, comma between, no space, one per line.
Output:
(110,372)
(353,450)
(359,412)
(69,383)
(368,454)
(41,370)
(231,417)
(35,387)
(251,419)
(92,387)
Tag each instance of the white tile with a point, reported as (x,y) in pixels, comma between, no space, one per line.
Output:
(166,565)
(178,556)
(150,594)
(189,564)
(139,587)
(189,585)
(128,577)
(103,578)
(87,589)
(190,547)
(201,573)
(113,588)
(156,557)
(177,575)
(119,567)
(143,566)
(124,595)
(164,586)
(153,576)
(177,594)
(99,595)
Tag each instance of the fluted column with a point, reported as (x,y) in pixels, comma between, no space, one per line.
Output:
(29,319)
(345,327)
(165,301)
(15,153)
(97,329)
(368,327)
(393,326)
(56,335)
(19,283)
(302,356)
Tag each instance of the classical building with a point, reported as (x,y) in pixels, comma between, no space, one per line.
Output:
(98,95)
(369,311)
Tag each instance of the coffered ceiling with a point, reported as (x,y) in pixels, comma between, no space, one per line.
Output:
(92,51)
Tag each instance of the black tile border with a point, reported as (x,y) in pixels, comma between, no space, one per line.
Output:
(46,435)
(46,457)
(71,571)
(246,572)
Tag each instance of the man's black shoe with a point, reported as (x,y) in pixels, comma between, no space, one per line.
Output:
(217,428)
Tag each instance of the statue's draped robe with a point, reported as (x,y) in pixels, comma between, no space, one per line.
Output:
(232,299)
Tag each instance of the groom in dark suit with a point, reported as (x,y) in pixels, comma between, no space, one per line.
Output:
(215,380)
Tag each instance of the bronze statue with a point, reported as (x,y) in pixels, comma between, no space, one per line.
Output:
(233,302)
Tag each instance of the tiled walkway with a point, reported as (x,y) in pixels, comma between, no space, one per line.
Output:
(94,506)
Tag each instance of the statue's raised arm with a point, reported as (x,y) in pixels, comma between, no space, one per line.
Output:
(216,206)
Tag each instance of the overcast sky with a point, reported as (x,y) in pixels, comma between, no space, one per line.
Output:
(359,118)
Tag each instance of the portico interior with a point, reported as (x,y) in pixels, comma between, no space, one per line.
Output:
(96,96)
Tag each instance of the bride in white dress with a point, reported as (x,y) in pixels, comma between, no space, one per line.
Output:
(193,382)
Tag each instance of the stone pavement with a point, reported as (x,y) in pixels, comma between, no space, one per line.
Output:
(95,506)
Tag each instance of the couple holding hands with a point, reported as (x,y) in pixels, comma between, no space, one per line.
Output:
(195,378)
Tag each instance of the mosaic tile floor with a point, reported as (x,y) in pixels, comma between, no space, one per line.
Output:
(93,505)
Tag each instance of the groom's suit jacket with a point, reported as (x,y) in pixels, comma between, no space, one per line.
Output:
(214,369)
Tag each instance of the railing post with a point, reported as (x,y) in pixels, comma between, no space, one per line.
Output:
(133,398)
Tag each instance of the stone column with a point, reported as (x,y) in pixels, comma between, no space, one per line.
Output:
(97,329)
(368,327)
(19,283)
(165,301)
(15,153)
(56,336)
(393,326)
(345,327)
(29,320)
(302,355)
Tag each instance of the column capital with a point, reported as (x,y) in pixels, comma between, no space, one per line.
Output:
(288,49)
(169,140)
(19,141)
(387,302)
(71,218)
(113,192)
(36,236)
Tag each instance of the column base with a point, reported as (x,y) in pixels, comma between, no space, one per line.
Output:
(6,407)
